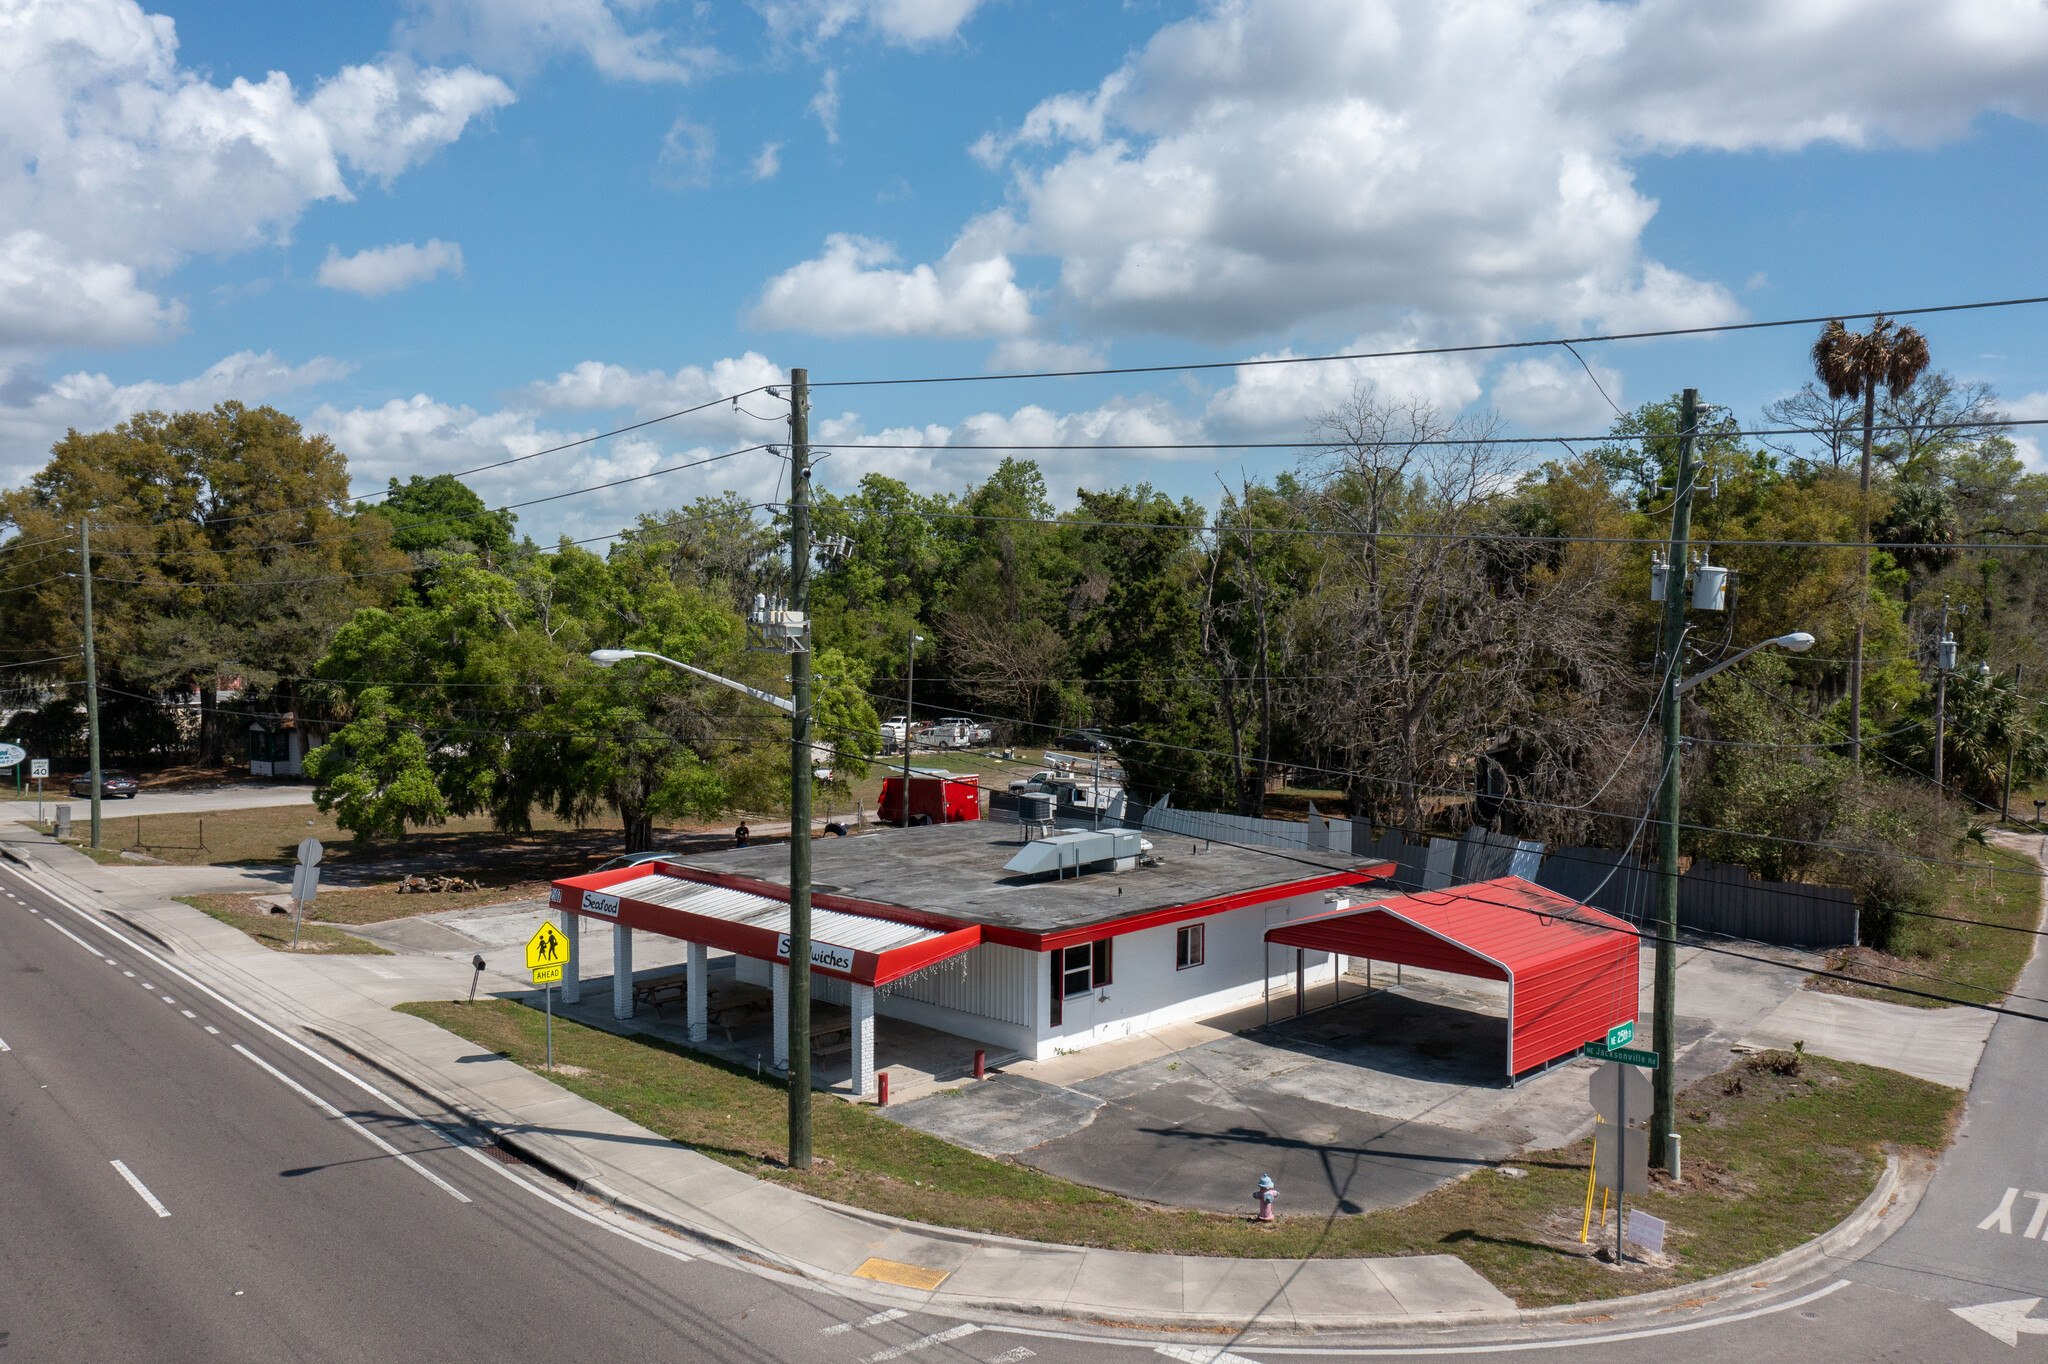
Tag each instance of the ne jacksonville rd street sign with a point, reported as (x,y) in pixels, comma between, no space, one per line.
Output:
(1625,1055)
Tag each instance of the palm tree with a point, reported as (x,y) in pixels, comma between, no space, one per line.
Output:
(1854,365)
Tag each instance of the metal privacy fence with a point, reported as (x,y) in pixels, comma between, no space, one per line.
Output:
(1713,897)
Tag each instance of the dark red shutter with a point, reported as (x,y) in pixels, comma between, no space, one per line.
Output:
(1058,984)
(1102,963)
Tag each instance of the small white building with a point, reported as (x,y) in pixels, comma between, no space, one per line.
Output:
(279,749)
(927,924)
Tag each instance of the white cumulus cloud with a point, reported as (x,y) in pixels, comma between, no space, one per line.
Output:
(519,35)
(116,162)
(381,270)
(907,22)
(1269,165)
(855,288)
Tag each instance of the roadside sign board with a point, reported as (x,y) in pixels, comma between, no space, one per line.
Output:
(310,852)
(546,949)
(546,975)
(12,754)
(1625,1055)
(1621,1034)
(305,883)
(1621,1153)
(39,768)
(1628,1103)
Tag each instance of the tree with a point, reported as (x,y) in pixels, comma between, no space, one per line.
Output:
(1856,365)
(224,546)
(442,513)
(1435,617)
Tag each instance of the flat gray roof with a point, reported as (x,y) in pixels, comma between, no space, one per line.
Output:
(957,870)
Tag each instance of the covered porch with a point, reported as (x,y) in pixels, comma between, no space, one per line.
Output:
(1570,970)
(740,1006)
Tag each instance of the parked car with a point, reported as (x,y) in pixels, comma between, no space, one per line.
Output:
(1085,740)
(112,783)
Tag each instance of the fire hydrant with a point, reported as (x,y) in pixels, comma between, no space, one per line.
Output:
(1265,1194)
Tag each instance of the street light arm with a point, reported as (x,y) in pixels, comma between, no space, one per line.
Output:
(604,658)
(1798,642)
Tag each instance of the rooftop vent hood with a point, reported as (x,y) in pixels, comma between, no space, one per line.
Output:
(1078,851)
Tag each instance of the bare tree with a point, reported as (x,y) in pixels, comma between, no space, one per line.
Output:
(1829,421)
(1435,619)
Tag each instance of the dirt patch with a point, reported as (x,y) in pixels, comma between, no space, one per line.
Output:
(372,904)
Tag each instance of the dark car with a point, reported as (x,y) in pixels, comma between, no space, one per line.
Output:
(1086,740)
(112,783)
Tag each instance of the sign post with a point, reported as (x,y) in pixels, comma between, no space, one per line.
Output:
(39,768)
(305,882)
(1622,1096)
(546,950)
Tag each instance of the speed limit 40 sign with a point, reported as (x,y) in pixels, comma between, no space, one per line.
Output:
(39,768)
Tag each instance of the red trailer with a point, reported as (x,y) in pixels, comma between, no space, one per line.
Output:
(946,797)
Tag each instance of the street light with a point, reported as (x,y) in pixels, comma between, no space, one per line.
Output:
(1798,642)
(605,658)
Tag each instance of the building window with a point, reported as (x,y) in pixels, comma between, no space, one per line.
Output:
(1077,971)
(1187,947)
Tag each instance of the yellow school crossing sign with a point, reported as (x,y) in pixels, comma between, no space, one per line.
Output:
(546,951)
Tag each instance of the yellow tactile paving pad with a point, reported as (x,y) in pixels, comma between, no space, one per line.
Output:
(902,1275)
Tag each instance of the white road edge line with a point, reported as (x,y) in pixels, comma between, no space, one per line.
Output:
(365,1133)
(4,1046)
(951,1333)
(876,1320)
(141,1188)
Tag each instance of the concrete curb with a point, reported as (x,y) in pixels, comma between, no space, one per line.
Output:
(1838,1239)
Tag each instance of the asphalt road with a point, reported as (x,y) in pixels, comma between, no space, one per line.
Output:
(313,1213)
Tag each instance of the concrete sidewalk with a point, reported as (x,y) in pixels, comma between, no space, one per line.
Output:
(349,1001)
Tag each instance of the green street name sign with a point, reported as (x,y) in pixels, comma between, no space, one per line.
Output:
(1626,1055)
(1621,1034)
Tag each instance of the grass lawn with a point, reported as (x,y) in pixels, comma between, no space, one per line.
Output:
(275,931)
(2003,888)
(1772,1160)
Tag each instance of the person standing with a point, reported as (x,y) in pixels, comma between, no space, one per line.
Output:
(739,835)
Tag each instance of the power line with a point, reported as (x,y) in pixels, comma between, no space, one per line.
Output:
(1566,341)
(1418,442)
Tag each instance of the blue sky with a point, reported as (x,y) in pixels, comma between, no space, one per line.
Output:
(450,231)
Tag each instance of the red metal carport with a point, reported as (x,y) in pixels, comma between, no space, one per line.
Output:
(1571,970)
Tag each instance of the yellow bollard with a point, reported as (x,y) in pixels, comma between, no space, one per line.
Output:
(1586,1226)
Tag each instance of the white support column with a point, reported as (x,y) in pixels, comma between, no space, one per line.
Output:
(696,993)
(622,972)
(779,974)
(572,929)
(863,1040)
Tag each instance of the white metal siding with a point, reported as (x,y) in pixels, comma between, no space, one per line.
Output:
(991,980)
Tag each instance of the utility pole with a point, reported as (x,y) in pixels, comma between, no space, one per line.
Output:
(1664,1009)
(1944,664)
(92,676)
(800,774)
(909,693)
(2005,806)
